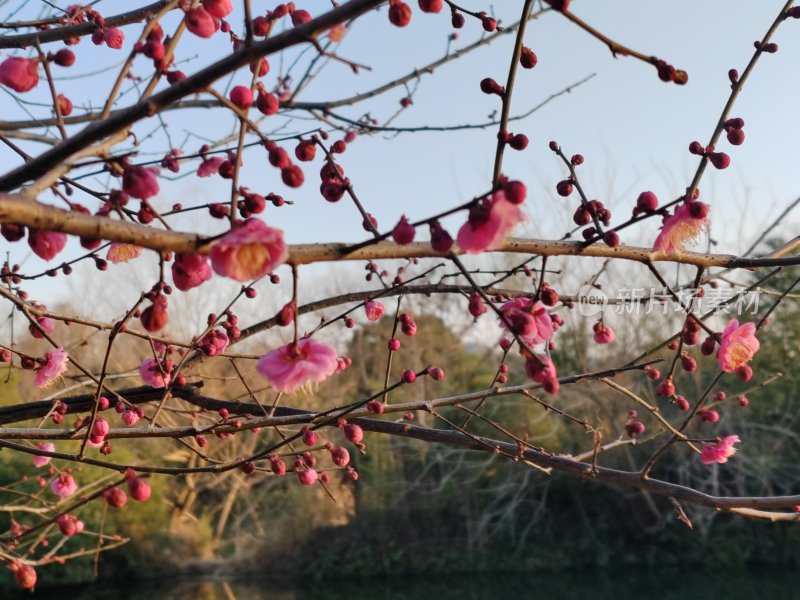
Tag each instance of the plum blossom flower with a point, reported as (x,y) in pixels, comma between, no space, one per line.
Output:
(528,319)
(291,366)
(64,485)
(46,244)
(682,228)
(140,182)
(540,368)
(120,253)
(210,166)
(55,363)
(46,324)
(41,461)
(152,374)
(190,270)
(720,451)
(738,346)
(374,310)
(249,251)
(489,223)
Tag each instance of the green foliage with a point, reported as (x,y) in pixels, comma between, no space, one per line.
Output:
(422,508)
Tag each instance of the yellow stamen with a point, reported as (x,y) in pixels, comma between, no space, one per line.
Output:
(251,257)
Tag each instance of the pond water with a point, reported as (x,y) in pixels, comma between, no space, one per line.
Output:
(696,582)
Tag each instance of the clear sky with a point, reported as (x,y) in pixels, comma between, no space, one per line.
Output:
(632,128)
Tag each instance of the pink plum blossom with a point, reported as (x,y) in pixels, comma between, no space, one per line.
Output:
(528,319)
(291,366)
(64,485)
(249,251)
(540,368)
(374,310)
(55,363)
(210,166)
(190,270)
(152,374)
(680,229)
(720,451)
(738,346)
(140,182)
(41,461)
(46,244)
(46,324)
(489,224)
(120,253)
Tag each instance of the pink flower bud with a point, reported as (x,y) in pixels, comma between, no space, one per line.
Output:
(720,160)
(267,103)
(155,317)
(278,466)
(408,376)
(139,489)
(476,305)
(115,497)
(431,6)
(140,182)
(20,74)
(527,58)
(114,37)
(403,233)
(218,8)
(310,438)
(436,373)
(515,191)
(353,433)
(308,477)
(242,97)
(299,17)
(130,417)
(666,388)
(24,575)
(200,22)
(340,457)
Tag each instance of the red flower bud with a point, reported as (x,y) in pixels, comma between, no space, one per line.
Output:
(399,13)
(527,58)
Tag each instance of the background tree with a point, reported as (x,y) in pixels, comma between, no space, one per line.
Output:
(197,366)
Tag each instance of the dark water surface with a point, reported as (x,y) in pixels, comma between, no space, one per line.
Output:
(747,583)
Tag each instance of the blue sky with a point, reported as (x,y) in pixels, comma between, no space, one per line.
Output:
(633,129)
